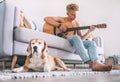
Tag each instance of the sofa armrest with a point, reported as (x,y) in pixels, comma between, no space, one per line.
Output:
(100,48)
(6,29)
(99,43)
(2,7)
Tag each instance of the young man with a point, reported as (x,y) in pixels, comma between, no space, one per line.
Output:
(77,39)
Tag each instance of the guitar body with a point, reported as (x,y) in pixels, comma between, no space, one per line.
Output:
(47,28)
(50,29)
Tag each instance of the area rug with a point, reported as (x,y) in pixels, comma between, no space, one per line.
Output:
(7,74)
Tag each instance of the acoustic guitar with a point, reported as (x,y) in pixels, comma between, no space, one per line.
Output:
(70,29)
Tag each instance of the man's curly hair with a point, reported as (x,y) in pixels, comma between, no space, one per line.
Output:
(72,7)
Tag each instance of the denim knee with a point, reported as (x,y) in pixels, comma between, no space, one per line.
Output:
(73,39)
(88,43)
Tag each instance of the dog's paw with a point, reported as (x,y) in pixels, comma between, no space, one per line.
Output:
(17,70)
(47,68)
(67,69)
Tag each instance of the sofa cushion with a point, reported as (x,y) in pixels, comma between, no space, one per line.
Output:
(25,35)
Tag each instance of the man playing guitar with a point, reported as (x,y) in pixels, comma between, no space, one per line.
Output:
(77,39)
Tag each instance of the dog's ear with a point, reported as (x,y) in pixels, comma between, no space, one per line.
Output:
(44,50)
(29,50)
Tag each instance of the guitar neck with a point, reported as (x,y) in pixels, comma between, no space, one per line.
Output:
(78,28)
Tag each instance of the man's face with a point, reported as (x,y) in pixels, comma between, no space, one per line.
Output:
(72,14)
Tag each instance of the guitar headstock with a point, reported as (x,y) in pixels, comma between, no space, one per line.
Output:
(103,25)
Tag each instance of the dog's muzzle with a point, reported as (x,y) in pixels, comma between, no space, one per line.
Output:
(35,48)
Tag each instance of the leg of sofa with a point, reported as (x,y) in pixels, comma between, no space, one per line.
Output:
(74,66)
(3,65)
(14,60)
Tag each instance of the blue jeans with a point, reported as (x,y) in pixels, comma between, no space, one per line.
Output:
(86,49)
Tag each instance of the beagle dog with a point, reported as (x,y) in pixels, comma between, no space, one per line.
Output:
(39,60)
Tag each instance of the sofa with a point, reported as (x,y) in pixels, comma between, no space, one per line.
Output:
(14,40)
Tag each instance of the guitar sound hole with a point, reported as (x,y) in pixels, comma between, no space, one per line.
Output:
(60,34)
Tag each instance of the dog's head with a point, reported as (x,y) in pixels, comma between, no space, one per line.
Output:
(38,46)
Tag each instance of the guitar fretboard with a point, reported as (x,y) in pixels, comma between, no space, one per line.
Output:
(78,28)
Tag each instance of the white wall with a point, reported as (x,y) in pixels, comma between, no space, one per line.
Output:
(91,12)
